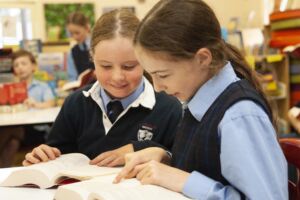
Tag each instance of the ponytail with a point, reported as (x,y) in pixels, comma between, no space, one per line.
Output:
(244,71)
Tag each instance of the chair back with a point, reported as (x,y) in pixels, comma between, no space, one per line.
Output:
(291,150)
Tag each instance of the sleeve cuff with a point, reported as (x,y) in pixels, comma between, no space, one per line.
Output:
(198,186)
(139,145)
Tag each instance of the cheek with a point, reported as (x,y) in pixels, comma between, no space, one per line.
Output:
(102,75)
(135,77)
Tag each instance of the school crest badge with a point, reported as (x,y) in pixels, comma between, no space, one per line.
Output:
(145,133)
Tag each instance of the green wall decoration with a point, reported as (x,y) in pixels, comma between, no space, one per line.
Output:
(56,14)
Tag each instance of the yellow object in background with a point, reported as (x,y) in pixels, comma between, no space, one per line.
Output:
(251,61)
(274,58)
(271,86)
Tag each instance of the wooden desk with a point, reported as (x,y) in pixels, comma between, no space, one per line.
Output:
(14,193)
(37,116)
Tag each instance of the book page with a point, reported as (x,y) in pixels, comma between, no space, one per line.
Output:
(102,188)
(295,112)
(88,171)
(81,190)
(62,163)
(134,192)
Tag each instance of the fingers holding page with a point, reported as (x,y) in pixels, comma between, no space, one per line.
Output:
(42,153)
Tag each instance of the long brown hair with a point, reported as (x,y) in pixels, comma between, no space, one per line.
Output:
(121,22)
(179,28)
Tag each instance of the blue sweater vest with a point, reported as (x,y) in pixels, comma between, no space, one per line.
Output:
(197,145)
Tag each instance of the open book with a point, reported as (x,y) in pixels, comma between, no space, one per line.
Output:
(102,188)
(84,78)
(66,168)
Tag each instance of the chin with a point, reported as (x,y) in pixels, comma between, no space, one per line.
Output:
(120,95)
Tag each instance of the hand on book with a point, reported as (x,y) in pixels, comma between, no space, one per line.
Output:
(113,158)
(156,173)
(133,160)
(42,153)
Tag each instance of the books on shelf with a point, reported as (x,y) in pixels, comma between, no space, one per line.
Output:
(288,14)
(85,77)
(54,64)
(102,188)
(64,169)
(5,60)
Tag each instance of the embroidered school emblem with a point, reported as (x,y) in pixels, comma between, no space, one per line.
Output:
(145,133)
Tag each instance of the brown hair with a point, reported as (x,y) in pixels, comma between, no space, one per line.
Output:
(121,22)
(179,28)
(77,18)
(22,53)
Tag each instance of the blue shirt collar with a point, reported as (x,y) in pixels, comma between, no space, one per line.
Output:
(87,43)
(125,101)
(209,92)
(33,83)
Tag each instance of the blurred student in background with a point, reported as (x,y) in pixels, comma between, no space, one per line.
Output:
(39,93)
(39,96)
(79,58)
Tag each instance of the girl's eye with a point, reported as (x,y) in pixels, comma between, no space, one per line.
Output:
(163,76)
(106,66)
(129,67)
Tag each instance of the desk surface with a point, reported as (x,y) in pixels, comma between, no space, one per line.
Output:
(7,193)
(38,116)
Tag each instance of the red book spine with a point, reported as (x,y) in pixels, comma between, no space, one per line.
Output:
(289,14)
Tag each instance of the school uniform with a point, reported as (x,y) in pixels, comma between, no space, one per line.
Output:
(35,134)
(149,119)
(232,150)
(79,59)
(40,91)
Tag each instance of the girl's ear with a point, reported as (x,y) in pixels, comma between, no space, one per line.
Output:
(203,57)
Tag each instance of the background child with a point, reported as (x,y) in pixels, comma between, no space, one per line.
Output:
(39,96)
(39,93)
(140,117)
(226,146)
(79,58)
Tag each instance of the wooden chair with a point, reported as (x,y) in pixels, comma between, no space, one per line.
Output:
(291,150)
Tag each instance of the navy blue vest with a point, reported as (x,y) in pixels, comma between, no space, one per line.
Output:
(81,59)
(197,145)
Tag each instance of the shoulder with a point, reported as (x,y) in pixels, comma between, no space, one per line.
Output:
(244,109)
(75,48)
(78,94)
(40,84)
(164,100)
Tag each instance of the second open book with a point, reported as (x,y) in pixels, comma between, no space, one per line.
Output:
(102,188)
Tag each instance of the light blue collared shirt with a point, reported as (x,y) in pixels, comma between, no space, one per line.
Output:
(40,91)
(125,101)
(251,158)
(71,69)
